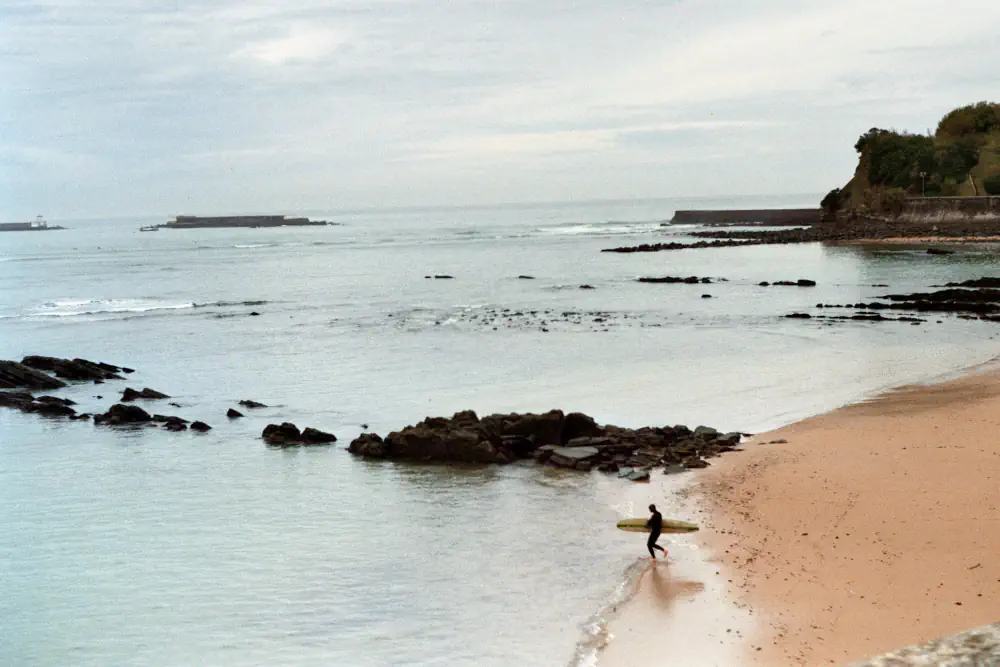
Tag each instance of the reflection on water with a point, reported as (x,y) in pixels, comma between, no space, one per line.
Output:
(664,588)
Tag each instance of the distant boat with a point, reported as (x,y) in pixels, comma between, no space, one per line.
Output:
(150,228)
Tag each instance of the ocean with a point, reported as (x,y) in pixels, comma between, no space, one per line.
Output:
(143,547)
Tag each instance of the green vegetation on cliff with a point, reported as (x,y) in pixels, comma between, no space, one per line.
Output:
(961,158)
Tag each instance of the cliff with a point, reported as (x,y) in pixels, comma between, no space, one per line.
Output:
(961,159)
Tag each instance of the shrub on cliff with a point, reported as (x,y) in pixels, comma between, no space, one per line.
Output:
(831,202)
(980,118)
(992,185)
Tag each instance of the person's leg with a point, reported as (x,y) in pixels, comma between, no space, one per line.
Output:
(650,543)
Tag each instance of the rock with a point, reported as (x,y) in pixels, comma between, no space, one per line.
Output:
(706,433)
(638,476)
(168,419)
(695,462)
(14,375)
(176,405)
(148,394)
(444,277)
(233,414)
(254,313)
(610,466)
(201,427)
(17,400)
(526,277)
(729,439)
(579,425)
(691,280)
(283,435)
(311,436)
(123,414)
(799,316)
(544,453)
(569,457)
(587,287)
(175,426)
(73,369)
(706,296)
(252,404)
(939,251)
(369,445)
(53,399)
(51,408)
(764,284)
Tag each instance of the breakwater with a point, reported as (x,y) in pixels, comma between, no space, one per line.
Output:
(771,216)
(201,222)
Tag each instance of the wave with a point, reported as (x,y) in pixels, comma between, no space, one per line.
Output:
(608,228)
(91,307)
(595,630)
(82,307)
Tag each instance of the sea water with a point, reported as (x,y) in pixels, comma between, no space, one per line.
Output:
(144,547)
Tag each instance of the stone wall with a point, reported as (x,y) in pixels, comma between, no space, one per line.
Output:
(975,648)
(951,209)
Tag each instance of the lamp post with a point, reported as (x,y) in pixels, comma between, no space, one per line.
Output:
(923,188)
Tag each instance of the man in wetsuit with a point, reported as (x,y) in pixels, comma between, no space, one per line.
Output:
(655,525)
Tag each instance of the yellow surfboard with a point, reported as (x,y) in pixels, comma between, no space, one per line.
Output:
(669,526)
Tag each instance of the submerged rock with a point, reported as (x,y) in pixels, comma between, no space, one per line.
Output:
(233,414)
(201,427)
(252,404)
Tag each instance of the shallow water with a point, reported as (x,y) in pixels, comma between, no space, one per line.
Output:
(143,547)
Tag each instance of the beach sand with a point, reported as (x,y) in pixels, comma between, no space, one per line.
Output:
(874,526)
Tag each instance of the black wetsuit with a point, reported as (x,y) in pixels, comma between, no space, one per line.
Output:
(655,525)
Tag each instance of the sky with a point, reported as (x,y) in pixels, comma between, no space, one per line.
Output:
(151,107)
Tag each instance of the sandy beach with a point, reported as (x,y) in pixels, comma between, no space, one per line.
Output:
(849,534)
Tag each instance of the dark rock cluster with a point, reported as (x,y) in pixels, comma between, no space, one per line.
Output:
(571,440)
(288,435)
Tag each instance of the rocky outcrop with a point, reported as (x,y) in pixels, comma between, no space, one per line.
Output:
(201,427)
(233,414)
(148,394)
(121,414)
(801,282)
(569,441)
(253,405)
(691,280)
(14,375)
(288,435)
(48,406)
(78,370)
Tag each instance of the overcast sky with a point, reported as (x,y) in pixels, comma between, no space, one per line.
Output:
(152,107)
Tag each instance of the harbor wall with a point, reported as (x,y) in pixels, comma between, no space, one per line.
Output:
(951,209)
(772,216)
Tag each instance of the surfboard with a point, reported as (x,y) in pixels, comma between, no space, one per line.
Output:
(669,526)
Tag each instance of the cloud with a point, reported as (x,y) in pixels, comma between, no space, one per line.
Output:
(372,102)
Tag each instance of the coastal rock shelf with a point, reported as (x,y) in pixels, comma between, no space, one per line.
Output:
(840,231)
(571,440)
(36,372)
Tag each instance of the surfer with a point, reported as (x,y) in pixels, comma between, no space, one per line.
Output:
(655,525)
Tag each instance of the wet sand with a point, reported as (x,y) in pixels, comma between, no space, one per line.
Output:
(873,527)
